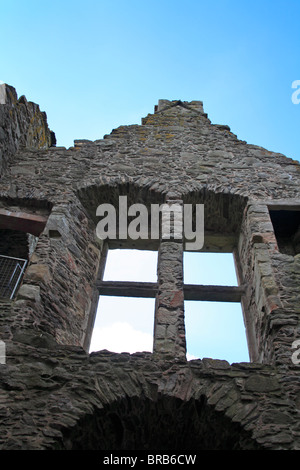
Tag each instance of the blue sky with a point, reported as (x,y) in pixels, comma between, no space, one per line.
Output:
(96,65)
(213,329)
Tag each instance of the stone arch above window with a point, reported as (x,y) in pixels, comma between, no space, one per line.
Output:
(230,225)
(170,291)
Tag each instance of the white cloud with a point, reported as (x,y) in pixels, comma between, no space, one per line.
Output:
(190,357)
(120,337)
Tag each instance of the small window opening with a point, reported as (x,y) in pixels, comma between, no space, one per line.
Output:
(214,329)
(209,268)
(19,232)
(131,265)
(14,255)
(125,324)
(286,224)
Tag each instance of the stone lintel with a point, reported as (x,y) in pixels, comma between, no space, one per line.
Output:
(29,223)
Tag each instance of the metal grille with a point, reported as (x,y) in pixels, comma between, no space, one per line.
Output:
(11,271)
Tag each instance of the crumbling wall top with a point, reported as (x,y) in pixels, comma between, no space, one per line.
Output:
(194,105)
(22,124)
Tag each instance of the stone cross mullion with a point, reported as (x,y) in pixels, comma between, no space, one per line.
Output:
(169,331)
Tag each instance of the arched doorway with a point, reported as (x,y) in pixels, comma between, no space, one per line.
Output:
(168,424)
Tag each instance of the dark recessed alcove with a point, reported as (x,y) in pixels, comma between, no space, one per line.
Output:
(168,424)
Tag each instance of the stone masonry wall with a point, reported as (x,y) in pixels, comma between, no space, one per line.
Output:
(176,154)
(62,398)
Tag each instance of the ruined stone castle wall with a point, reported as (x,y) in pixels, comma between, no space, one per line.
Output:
(176,154)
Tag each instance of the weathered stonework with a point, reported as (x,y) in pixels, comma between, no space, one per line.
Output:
(54,394)
(22,124)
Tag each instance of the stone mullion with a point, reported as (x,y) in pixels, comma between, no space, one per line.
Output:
(169,331)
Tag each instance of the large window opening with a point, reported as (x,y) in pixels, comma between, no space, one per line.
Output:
(213,314)
(124,322)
